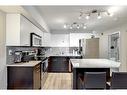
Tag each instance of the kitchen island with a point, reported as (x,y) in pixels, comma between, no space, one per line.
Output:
(91,65)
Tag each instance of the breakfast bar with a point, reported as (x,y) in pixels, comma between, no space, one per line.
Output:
(91,65)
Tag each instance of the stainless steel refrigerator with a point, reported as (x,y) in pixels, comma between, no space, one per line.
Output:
(89,48)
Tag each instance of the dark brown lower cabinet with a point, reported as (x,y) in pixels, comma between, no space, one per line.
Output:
(60,63)
(24,77)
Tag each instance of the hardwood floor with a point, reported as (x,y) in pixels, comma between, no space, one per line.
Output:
(58,81)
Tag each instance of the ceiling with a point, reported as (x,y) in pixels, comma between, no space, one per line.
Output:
(20,10)
(57,16)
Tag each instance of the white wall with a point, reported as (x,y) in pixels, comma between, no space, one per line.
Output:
(60,40)
(3,70)
(123,45)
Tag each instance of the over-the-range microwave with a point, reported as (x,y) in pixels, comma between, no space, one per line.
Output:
(35,40)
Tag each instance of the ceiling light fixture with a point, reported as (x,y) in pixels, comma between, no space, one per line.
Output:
(88,16)
(110,14)
(80,16)
(98,13)
(75,25)
(113,9)
(99,16)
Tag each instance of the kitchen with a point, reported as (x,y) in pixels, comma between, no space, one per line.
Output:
(45,44)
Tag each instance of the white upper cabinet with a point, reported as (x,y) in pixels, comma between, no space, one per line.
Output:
(74,38)
(13,29)
(60,40)
(67,39)
(26,27)
(18,30)
(46,39)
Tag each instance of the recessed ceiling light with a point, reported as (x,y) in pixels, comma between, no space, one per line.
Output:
(99,16)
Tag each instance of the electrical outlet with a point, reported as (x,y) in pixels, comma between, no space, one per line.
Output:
(10,52)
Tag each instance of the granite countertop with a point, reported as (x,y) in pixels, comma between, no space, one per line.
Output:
(33,63)
(94,63)
(24,64)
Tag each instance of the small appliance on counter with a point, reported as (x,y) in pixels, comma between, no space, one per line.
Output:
(18,56)
(21,56)
(25,56)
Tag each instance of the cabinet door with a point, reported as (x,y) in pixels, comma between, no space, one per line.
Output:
(64,64)
(58,64)
(55,64)
(46,39)
(13,29)
(20,78)
(37,77)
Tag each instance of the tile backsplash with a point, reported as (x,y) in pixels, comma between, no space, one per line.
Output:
(64,50)
(44,50)
(11,49)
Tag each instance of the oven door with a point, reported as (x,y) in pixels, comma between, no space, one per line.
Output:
(44,66)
